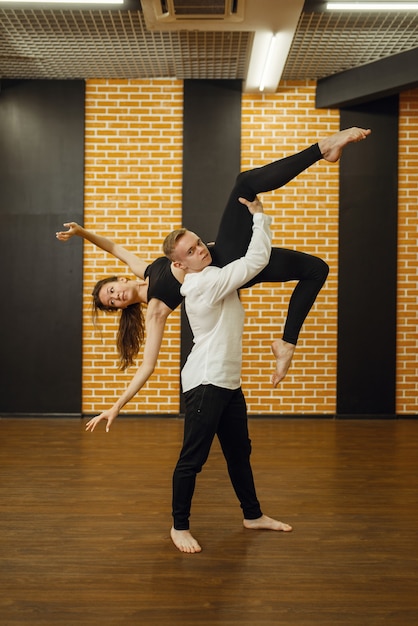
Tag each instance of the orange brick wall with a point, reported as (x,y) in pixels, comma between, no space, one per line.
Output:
(133,184)
(133,180)
(305,217)
(407,327)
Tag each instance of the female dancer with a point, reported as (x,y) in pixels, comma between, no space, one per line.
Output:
(159,284)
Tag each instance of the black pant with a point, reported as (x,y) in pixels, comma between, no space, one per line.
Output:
(235,232)
(214,411)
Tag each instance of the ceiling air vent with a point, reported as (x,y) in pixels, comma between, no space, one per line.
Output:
(168,11)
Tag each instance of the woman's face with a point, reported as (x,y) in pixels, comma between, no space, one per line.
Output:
(120,293)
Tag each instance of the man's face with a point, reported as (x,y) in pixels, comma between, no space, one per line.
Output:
(191,254)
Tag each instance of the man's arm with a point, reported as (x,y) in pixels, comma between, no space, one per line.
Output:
(234,275)
(135,264)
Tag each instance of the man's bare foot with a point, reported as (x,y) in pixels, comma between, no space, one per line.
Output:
(331,147)
(283,353)
(266,523)
(184,541)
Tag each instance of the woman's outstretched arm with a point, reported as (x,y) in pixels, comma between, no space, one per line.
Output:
(156,317)
(135,264)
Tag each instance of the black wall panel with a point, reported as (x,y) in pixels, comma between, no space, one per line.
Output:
(368,263)
(211,151)
(41,186)
(211,160)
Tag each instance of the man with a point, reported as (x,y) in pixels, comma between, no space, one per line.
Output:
(214,401)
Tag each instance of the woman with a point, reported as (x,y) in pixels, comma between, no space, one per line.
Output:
(159,283)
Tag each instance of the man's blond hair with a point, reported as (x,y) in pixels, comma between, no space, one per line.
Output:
(170,242)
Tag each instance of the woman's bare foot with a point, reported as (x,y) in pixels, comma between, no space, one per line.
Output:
(266,523)
(283,353)
(331,147)
(184,541)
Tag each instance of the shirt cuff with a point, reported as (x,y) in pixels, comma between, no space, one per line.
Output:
(259,218)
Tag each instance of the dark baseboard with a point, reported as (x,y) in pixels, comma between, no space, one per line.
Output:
(317,416)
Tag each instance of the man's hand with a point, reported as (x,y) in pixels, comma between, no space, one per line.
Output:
(254,207)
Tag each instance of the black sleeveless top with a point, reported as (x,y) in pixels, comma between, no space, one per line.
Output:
(162,284)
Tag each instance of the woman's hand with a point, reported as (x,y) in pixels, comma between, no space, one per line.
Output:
(109,415)
(73,229)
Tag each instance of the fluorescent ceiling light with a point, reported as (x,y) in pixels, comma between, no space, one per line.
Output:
(268,57)
(267,62)
(372,6)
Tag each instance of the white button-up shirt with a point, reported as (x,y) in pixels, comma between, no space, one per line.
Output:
(216,315)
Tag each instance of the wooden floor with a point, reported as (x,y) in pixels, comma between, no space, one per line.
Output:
(85,518)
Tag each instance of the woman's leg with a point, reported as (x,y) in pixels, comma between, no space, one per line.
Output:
(235,229)
(236,224)
(234,236)
(310,272)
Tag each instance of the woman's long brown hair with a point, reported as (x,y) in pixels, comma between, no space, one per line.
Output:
(131,331)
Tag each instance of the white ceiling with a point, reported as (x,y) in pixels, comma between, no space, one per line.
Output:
(73,43)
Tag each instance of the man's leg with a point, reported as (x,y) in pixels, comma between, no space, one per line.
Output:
(236,446)
(203,410)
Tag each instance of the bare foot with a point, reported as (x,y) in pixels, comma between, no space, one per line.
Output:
(331,147)
(184,541)
(266,523)
(283,353)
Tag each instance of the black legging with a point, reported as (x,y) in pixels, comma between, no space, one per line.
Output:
(235,232)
